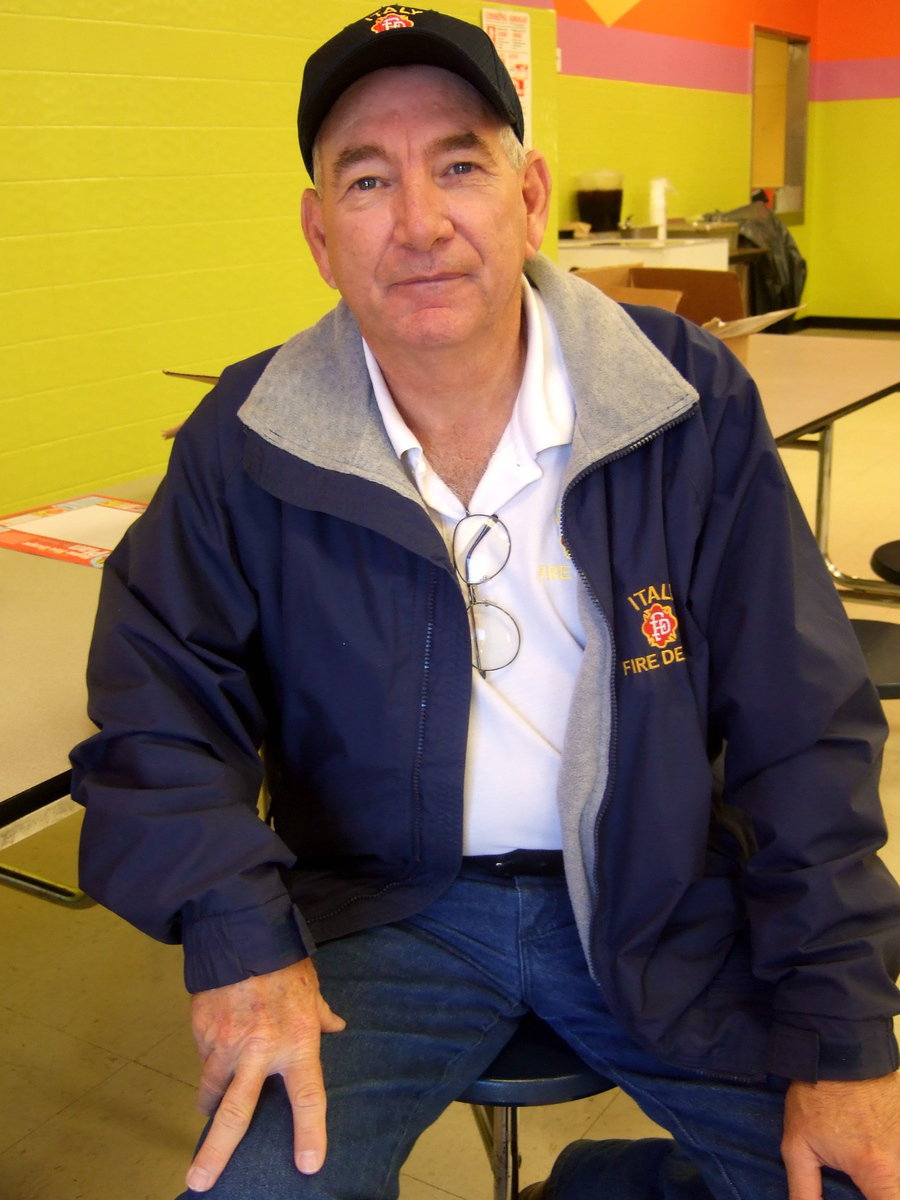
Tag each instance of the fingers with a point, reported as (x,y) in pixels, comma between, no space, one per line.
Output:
(804,1177)
(875,1181)
(229,1125)
(265,1025)
(306,1092)
(853,1127)
(215,1077)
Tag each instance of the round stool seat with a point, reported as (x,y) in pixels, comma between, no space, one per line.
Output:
(535,1067)
(886,562)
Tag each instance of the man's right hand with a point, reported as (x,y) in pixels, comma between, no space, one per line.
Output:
(245,1032)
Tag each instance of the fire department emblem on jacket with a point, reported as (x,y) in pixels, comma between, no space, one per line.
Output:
(393,17)
(660,626)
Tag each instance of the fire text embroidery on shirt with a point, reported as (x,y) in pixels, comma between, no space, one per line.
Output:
(659,625)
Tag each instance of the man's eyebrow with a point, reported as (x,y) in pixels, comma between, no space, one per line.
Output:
(353,155)
(463,141)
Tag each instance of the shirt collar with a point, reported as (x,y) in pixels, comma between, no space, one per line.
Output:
(544,413)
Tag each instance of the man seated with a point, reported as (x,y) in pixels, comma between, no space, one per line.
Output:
(503,589)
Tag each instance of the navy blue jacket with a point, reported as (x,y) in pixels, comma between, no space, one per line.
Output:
(286,590)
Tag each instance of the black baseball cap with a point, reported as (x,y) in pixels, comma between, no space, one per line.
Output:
(399,35)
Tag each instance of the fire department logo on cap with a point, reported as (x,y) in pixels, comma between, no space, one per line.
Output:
(660,626)
(393,17)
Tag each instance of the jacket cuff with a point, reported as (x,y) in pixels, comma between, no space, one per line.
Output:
(834,1049)
(219,950)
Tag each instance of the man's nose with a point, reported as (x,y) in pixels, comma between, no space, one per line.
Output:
(421,215)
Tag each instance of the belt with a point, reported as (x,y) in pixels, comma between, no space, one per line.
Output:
(517,862)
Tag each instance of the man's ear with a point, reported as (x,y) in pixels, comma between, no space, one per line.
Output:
(536,188)
(313,222)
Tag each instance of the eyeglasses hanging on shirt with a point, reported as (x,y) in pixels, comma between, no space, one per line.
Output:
(481,547)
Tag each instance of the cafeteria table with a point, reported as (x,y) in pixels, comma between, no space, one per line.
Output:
(47,613)
(807,384)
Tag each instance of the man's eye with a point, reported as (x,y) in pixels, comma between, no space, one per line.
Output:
(366,184)
(462,168)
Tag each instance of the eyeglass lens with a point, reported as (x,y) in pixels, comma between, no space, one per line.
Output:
(495,636)
(481,549)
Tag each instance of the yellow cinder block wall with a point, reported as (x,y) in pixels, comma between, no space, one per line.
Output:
(850,238)
(149,216)
(698,140)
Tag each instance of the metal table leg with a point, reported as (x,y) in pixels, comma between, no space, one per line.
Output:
(851,586)
(21,805)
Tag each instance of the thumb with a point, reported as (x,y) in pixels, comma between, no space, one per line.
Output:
(329,1021)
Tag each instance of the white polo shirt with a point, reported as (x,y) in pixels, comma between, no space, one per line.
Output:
(519,713)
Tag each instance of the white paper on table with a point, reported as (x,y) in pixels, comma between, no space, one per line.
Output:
(94,525)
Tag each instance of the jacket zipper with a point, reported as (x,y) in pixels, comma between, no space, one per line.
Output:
(419,752)
(613,707)
(423,707)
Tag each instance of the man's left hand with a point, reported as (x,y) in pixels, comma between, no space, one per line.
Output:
(853,1127)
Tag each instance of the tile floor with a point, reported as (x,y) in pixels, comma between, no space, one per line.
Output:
(98,1065)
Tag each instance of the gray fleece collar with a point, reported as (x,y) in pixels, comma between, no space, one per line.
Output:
(315,399)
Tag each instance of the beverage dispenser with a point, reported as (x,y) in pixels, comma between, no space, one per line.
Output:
(599,198)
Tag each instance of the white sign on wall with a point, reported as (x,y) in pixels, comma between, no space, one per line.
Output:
(511,34)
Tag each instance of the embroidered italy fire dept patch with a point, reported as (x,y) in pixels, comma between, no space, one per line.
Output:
(393,17)
(660,626)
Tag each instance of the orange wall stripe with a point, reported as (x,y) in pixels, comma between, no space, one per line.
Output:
(710,21)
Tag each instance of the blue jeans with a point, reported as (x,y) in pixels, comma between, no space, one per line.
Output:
(430,1001)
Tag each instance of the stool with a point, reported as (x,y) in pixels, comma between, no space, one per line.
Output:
(886,562)
(880,642)
(535,1067)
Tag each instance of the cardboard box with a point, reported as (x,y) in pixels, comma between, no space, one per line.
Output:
(737,333)
(711,299)
(704,294)
(603,277)
(617,283)
(658,297)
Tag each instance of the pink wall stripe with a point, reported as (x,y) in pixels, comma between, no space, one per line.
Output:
(856,79)
(604,52)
